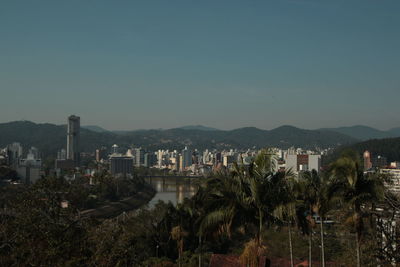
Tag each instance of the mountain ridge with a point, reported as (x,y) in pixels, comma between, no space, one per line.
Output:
(198,127)
(50,138)
(360,132)
(95,128)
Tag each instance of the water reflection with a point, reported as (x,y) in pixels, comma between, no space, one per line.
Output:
(173,189)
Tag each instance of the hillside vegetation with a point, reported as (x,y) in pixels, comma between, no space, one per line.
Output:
(388,147)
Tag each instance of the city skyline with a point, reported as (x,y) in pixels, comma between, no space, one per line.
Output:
(231,64)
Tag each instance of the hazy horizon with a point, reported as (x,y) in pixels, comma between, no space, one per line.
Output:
(202,125)
(223,64)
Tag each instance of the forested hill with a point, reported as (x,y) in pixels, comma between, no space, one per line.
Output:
(388,147)
(49,138)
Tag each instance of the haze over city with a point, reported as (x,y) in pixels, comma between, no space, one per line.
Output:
(223,64)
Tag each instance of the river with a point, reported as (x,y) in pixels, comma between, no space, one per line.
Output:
(172,189)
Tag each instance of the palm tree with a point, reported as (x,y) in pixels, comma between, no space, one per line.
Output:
(260,182)
(354,189)
(286,190)
(224,207)
(184,213)
(241,199)
(178,234)
(314,191)
(238,199)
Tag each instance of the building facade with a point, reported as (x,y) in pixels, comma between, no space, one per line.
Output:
(121,165)
(186,158)
(14,153)
(394,175)
(73,139)
(29,169)
(139,156)
(303,162)
(367,160)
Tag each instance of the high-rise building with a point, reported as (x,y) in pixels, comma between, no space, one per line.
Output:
(139,156)
(394,176)
(367,160)
(14,153)
(29,169)
(121,165)
(217,158)
(150,159)
(303,162)
(159,158)
(73,138)
(186,158)
(62,154)
(34,151)
(228,160)
(179,164)
(101,154)
(314,162)
(206,157)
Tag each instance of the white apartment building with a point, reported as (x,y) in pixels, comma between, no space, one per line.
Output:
(303,162)
(395,177)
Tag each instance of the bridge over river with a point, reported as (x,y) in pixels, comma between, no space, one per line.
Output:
(173,188)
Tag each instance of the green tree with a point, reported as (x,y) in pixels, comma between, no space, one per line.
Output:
(243,200)
(355,190)
(314,193)
(178,234)
(239,199)
(286,191)
(39,231)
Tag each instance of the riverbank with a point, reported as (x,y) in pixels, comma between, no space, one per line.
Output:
(113,209)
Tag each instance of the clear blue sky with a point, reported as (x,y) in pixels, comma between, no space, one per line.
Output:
(225,64)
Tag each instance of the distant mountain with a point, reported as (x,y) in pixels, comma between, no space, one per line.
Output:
(309,138)
(198,127)
(127,132)
(95,128)
(395,132)
(49,138)
(365,133)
